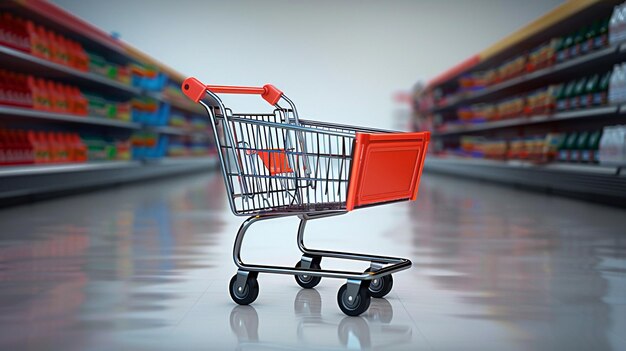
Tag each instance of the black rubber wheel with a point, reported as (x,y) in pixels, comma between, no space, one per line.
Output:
(381,286)
(359,305)
(249,293)
(308,281)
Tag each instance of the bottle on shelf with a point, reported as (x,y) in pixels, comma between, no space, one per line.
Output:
(616,84)
(591,88)
(569,144)
(617,24)
(612,146)
(579,90)
(600,96)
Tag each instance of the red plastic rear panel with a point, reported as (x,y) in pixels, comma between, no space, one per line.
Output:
(386,167)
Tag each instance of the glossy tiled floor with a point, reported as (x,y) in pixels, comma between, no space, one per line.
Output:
(146,267)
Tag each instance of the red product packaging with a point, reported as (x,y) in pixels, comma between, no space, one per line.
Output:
(15,148)
(26,153)
(79,57)
(80,105)
(58,101)
(14,90)
(38,40)
(39,144)
(3,148)
(55,147)
(41,100)
(78,147)
(13,32)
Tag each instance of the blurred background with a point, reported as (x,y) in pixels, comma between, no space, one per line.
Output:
(340,61)
(115,225)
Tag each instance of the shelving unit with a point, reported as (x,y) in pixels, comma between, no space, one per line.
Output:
(437,105)
(590,182)
(22,182)
(31,182)
(596,112)
(180,131)
(22,113)
(35,65)
(607,56)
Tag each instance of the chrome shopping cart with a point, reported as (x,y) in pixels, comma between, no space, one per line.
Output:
(276,165)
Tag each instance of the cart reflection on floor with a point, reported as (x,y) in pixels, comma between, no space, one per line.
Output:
(373,329)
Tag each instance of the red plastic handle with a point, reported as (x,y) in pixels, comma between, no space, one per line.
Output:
(195,90)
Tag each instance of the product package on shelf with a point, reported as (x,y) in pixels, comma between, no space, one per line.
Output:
(14,90)
(188,121)
(147,77)
(106,149)
(32,38)
(20,90)
(150,112)
(13,32)
(102,107)
(594,36)
(181,146)
(543,56)
(617,24)
(99,65)
(612,146)
(19,147)
(178,119)
(147,145)
(199,123)
(53,47)
(574,147)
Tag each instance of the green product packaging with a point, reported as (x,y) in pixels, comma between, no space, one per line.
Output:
(579,89)
(590,34)
(581,145)
(564,53)
(562,102)
(600,97)
(590,154)
(575,49)
(568,145)
(602,39)
(591,87)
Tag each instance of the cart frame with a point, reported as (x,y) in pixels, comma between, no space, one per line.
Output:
(353,298)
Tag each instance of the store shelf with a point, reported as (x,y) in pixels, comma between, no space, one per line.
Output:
(22,183)
(43,68)
(593,182)
(562,19)
(185,161)
(179,103)
(179,131)
(61,117)
(564,70)
(29,170)
(60,20)
(538,119)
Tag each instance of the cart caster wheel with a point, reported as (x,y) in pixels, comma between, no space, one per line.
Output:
(308,281)
(247,294)
(356,306)
(381,286)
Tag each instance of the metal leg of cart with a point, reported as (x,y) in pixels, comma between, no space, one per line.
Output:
(353,297)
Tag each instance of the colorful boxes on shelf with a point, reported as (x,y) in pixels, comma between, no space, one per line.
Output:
(18,147)
(14,90)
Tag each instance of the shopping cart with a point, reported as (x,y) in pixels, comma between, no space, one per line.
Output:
(276,165)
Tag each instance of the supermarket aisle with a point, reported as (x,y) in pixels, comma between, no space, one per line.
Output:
(146,267)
